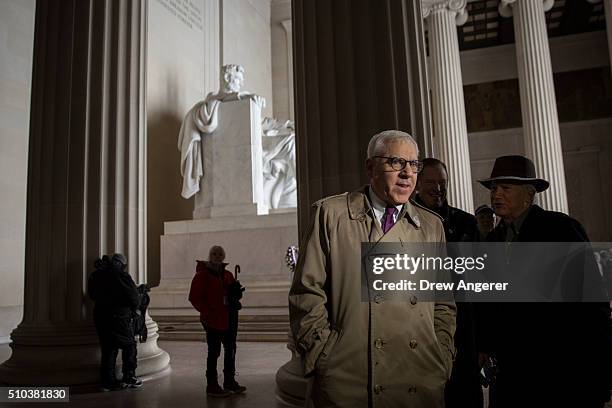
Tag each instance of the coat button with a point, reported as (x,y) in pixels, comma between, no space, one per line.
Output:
(413,300)
(378,343)
(378,389)
(412,389)
(413,344)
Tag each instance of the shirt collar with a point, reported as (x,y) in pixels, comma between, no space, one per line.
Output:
(359,205)
(514,228)
(380,205)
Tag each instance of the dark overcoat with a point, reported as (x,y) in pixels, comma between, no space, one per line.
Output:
(463,390)
(116,300)
(549,354)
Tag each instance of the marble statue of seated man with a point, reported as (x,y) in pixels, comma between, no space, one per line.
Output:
(202,119)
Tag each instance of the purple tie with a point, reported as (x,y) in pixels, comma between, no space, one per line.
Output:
(388,218)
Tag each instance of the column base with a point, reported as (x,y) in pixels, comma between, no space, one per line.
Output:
(69,355)
(152,360)
(291,386)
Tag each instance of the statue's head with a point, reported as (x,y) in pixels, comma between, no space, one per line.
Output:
(232,78)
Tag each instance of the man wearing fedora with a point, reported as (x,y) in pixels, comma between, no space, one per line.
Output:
(548,354)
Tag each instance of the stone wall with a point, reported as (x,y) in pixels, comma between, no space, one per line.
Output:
(16,44)
(246,41)
(581,95)
(176,70)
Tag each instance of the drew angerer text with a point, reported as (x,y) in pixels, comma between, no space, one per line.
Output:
(424,285)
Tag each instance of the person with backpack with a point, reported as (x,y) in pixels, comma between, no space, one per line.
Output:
(116,300)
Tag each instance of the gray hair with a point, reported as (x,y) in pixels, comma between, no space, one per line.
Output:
(379,140)
(531,190)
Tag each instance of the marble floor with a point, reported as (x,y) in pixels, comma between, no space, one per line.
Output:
(257,364)
(184,386)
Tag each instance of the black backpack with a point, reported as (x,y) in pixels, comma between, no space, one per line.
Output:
(140,327)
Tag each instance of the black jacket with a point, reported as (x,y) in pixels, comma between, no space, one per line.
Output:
(560,351)
(116,301)
(459,226)
(463,390)
(113,290)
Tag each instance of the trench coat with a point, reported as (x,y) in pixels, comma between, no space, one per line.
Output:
(360,354)
(548,354)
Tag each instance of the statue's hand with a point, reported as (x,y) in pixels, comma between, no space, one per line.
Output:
(259,100)
(236,96)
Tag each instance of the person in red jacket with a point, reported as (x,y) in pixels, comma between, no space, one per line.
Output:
(209,295)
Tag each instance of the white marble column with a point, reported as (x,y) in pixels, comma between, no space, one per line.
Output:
(86,185)
(289,38)
(449,123)
(537,91)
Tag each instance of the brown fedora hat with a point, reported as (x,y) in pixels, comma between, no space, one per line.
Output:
(516,170)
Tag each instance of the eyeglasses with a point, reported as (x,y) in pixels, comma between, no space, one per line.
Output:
(398,164)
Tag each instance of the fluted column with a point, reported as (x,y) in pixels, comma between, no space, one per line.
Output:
(289,36)
(448,107)
(537,91)
(359,69)
(86,184)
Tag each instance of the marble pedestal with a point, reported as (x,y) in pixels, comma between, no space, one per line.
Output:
(257,243)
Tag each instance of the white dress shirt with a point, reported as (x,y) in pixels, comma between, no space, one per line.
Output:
(379,207)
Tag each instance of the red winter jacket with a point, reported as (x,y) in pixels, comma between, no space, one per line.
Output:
(207,292)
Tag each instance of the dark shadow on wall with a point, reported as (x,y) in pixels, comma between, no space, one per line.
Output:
(164,180)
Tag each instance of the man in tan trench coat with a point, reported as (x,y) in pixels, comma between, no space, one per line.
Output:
(377,354)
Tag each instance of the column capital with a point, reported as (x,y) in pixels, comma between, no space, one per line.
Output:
(454,6)
(505,6)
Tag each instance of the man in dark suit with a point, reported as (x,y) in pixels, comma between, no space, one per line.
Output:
(463,389)
(549,354)
(432,184)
